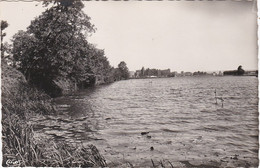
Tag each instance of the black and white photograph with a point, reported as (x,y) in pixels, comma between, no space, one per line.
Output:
(160,84)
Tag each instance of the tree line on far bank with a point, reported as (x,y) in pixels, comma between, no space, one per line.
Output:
(239,72)
(153,72)
(54,49)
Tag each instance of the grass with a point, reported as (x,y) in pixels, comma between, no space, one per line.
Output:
(20,148)
(20,145)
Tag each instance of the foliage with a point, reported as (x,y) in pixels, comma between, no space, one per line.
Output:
(6,53)
(143,73)
(19,98)
(97,66)
(55,46)
(4,25)
(240,70)
(148,72)
(151,72)
(52,43)
(122,71)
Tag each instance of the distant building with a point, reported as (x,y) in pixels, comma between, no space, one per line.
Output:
(216,73)
(251,73)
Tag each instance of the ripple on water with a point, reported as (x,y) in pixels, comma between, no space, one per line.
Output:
(185,124)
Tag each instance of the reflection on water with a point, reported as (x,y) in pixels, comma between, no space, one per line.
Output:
(185,125)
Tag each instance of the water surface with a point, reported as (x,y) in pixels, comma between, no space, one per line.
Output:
(186,127)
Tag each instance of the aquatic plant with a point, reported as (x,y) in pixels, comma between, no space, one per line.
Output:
(20,102)
(218,98)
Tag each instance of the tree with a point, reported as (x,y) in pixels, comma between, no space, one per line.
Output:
(97,67)
(123,70)
(240,70)
(55,45)
(7,53)
(4,25)
(117,74)
(142,72)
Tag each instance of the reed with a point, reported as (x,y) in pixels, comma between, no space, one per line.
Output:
(162,163)
(219,98)
(20,102)
(19,145)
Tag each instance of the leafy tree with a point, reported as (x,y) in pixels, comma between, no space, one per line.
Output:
(55,45)
(97,66)
(240,70)
(123,70)
(4,25)
(25,52)
(7,53)
(142,72)
(117,74)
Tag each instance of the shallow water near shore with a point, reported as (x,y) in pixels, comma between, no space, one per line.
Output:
(186,127)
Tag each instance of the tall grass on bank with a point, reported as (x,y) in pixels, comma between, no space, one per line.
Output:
(20,102)
(20,149)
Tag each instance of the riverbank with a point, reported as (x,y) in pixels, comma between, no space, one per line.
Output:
(21,146)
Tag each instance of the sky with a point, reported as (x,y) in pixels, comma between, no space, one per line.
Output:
(180,35)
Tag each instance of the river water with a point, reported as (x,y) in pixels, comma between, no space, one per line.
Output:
(186,126)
